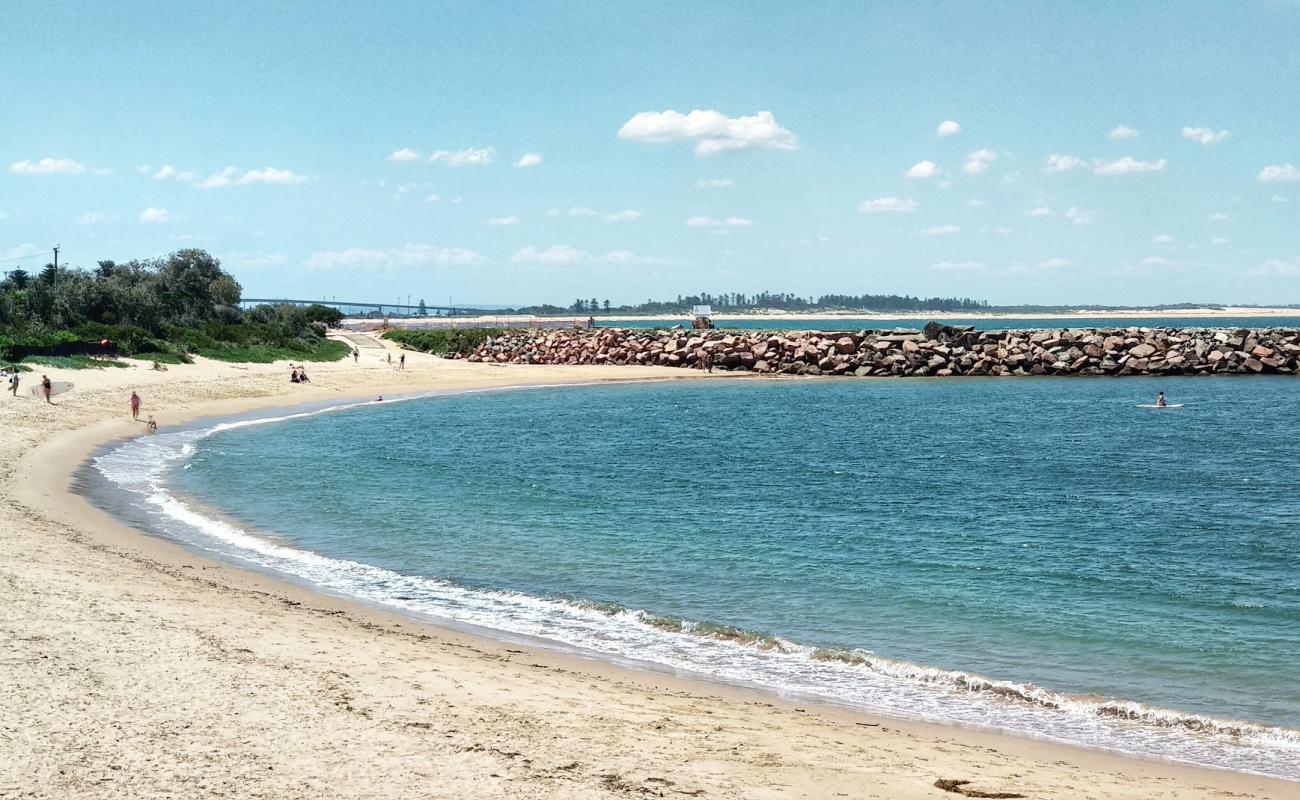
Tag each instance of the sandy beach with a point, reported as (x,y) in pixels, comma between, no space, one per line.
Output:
(136,668)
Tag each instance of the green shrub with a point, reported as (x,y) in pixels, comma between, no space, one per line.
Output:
(461,341)
(73,362)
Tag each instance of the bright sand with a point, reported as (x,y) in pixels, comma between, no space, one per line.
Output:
(135,668)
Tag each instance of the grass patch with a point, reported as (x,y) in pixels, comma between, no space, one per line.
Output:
(74,362)
(164,358)
(264,354)
(462,341)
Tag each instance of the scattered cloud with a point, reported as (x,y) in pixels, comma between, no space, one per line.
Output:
(469,157)
(715,183)
(255,260)
(923,169)
(232,176)
(1219,216)
(710,222)
(1041,212)
(48,166)
(410,256)
(626,215)
(156,215)
(1276,173)
(1275,268)
(884,205)
(1053,263)
(1205,136)
(977,163)
(529,160)
(1163,238)
(1128,165)
(1220,240)
(433,198)
(1078,216)
(956,266)
(940,230)
(1277,198)
(501,221)
(947,128)
(1061,163)
(581,211)
(975,203)
(1122,132)
(91,218)
(1156,261)
(168,172)
(712,131)
(563,255)
(405,154)
(1000,231)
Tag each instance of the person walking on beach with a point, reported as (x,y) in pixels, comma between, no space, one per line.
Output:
(135,406)
(13,383)
(401,363)
(356,355)
(46,388)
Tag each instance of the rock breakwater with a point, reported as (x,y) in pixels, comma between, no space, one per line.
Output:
(937,350)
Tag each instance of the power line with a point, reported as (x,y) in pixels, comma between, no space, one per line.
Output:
(24,258)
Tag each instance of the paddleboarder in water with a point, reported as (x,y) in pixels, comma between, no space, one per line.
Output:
(1160,400)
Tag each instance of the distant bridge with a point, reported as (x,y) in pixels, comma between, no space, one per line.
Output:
(354,309)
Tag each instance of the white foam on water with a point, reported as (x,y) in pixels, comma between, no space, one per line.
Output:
(853,678)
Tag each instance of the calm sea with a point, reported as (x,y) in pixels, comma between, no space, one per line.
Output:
(1037,556)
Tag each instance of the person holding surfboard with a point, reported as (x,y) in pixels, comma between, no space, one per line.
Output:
(46,388)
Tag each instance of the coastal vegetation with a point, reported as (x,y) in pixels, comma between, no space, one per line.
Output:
(161,309)
(459,342)
(782,301)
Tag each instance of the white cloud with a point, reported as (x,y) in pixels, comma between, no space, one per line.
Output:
(1061,163)
(1219,216)
(255,260)
(405,154)
(529,160)
(1156,261)
(1128,165)
(469,157)
(715,183)
(923,169)
(956,266)
(710,222)
(1040,213)
(1220,240)
(1121,133)
(48,166)
(1277,198)
(940,230)
(712,131)
(884,205)
(1163,238)
(1277,173)
(557,255)
(1275,268)
(500,221)
(626,215)
(156,215)
(231,176)
(975,203)
(1078,216)
(977,163)
(947,128)
(410,256)
(1053,263)
(433,198)
(91,218)
(581,211)
(102,170)
(1001,231)
(1205,136)
(168,172)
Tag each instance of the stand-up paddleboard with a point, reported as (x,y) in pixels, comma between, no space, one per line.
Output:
(56,387)
(1153,405)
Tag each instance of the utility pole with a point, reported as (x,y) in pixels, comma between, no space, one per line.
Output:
(56,256)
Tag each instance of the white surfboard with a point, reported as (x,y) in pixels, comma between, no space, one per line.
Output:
(1153,405)
(56,387)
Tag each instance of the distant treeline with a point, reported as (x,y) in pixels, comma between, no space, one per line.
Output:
(737,301)
(162,308)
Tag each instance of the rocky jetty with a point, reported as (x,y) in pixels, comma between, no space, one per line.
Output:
(938,350)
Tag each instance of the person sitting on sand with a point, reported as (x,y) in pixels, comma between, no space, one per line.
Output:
(302,375)
(1160,400)
(293,376)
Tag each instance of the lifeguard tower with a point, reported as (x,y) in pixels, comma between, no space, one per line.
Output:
(702,315)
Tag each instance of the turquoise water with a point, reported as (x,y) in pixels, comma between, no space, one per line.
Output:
(979,323)
(1037,556)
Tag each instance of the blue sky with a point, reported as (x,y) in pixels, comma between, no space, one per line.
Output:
(521,153)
